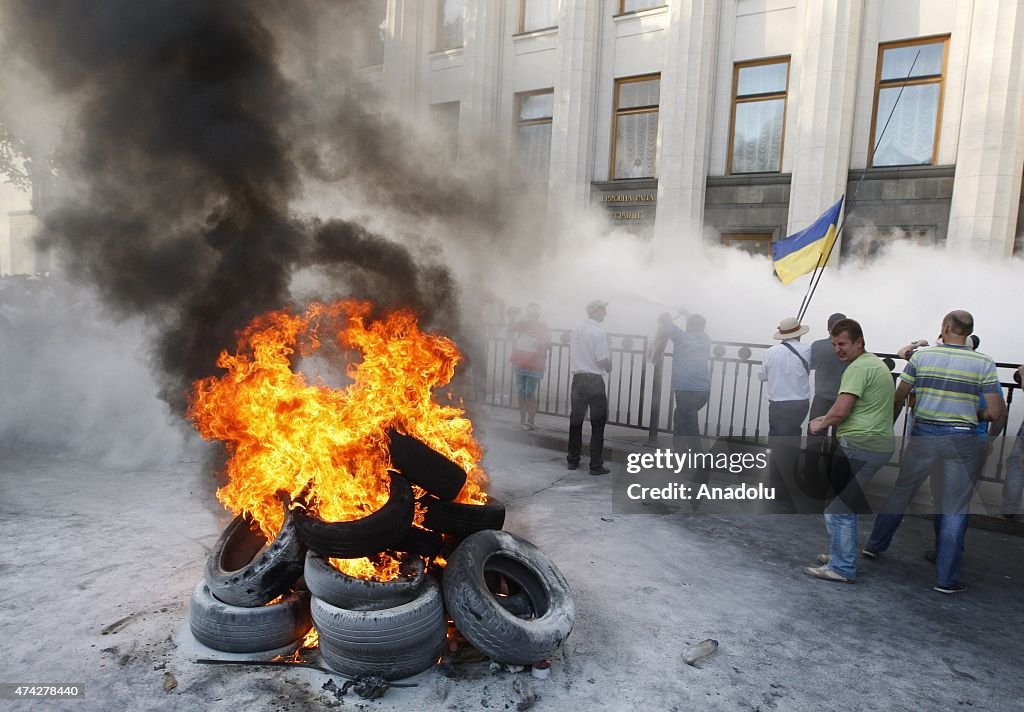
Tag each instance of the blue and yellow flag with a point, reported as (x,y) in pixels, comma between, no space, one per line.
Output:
(801,252)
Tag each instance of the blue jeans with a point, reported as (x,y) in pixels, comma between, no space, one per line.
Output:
(953,452)
(841,512)
(1014,482)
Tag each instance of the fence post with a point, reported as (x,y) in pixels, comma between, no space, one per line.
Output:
(652,427)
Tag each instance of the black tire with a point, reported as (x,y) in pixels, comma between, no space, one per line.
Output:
(519,567)
(420,542)
(392,643)
(234,629)
(462,520)
(423,466)
(240,574)
(370,535)
(338,589)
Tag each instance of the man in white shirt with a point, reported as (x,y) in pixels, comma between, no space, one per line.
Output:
(786,368)
(589,360)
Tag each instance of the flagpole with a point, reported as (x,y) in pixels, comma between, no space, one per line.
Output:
(819,269)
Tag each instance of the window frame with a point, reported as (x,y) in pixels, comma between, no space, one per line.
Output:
(727,239)
(533,122)
(624,11)
(439,28)
(751,98)
(913,81)
(616,113)
(522,21)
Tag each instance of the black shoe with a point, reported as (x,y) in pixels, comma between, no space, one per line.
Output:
(599,470)
(869,554)
(930,556)
(574,465)
(955,588)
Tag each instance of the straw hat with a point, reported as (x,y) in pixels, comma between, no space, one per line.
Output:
(790,328)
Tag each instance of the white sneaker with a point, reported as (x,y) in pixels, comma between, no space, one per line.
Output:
(827,574)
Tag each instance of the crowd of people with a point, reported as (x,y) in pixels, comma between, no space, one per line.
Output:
(956,407)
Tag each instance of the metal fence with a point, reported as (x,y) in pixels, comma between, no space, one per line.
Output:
(640,395)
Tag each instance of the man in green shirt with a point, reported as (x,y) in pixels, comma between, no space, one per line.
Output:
(862,415)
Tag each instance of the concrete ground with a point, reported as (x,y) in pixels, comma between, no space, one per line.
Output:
(99,561)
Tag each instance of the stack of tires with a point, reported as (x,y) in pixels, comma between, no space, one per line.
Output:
(248,600)
(501,592)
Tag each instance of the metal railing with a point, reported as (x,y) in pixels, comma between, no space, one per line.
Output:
(640,396)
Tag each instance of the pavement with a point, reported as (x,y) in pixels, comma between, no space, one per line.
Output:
(100,559)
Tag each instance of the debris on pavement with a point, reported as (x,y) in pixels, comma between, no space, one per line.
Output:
(524,691)
(700,650)
(169,682)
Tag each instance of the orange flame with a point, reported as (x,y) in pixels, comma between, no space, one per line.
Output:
(328,446)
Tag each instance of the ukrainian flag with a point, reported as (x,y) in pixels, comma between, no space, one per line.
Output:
(801,252)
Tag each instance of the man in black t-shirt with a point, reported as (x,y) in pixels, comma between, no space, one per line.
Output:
(828,372)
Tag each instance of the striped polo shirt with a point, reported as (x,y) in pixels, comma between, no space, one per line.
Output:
(948,381)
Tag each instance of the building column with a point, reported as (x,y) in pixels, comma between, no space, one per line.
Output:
(685,119)
(822,103)
(481,71)
(404,50)
(573,121)
(990,153)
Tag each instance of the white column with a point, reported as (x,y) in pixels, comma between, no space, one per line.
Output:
(685,119)
(990,152)
(404,51)
(481,71)
(573,121)
(822,105)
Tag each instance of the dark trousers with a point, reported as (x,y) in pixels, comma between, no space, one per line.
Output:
(587,392)
(688,405)
(785,426)
(820,449)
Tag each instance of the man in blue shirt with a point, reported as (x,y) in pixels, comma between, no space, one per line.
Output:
(691,378)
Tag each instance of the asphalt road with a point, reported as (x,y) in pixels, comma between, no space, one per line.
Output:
(99,561)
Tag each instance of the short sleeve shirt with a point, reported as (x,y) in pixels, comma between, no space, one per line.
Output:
(869,424)
(690,354)
(947,381)
(828,369)
(587,347)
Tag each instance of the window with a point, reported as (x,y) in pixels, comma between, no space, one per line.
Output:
(537,15)
(755,243)
(370,17)
(912,137)
(758,115)
(450,17)
(445,120)
(533,129)
(635,127)
(634,5)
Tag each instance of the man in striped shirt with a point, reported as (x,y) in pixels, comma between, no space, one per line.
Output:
(949,380)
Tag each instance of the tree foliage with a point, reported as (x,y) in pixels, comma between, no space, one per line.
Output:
(15,161)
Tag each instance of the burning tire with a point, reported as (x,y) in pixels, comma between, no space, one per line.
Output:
(339,589)
(462,520)
(491,565)
(425,467)
(392,643)
(234,629)
(421,542)
(239,574)
(370,535)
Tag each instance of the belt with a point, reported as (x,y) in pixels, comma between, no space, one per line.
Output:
(951,426)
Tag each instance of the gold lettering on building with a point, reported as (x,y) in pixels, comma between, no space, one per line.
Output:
(625,198)
(626,215)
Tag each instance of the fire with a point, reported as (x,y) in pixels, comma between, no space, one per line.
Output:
(292,436)
(386,569)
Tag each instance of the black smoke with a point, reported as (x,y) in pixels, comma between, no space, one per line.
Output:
(180,166)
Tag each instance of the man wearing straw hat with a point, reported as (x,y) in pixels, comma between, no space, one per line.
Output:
(786,370)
